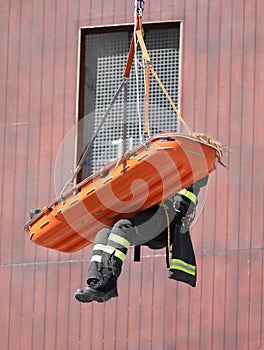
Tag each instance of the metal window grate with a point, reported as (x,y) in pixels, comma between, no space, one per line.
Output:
(105,60)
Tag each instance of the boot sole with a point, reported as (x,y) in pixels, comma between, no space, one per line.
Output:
(89,295)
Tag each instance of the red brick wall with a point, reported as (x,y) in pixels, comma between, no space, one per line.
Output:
(221,94)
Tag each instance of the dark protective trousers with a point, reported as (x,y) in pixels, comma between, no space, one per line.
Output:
(183,264)
(150,228)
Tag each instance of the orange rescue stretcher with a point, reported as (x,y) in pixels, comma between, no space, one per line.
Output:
(144,176)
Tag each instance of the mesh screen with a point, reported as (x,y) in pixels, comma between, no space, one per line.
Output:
(105,60)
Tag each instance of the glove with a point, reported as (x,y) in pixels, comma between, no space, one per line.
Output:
(188,218)
(185,211)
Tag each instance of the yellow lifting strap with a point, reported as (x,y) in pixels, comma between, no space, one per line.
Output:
(131,54)
(150,68)
(147,131)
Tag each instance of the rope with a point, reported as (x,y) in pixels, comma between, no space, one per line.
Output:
(147,132)
(136,70)
(168,229)
(91,142)
(147,58)
(188,129)
(137,37)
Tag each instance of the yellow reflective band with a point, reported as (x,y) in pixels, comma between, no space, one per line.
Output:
(96,258)
(189,195)
(120,240)
(108,249)
(178,264)
(99,247)
(120,255)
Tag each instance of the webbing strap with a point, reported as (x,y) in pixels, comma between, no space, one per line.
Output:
(137,251)
(188,129)
(131,52)
(88,147)
(143,46)
(147,132)
(147,58)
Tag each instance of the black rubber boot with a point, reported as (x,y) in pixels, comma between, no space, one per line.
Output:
(83,295)
(99,290)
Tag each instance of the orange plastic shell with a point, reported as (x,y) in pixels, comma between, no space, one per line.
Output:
(145,176)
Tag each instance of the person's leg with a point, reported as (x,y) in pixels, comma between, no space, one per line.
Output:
(109,253)
(108,257)
(183,263)
(94,269)
(99,245)
(117,246)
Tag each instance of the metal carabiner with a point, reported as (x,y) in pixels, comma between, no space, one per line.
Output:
(140,8)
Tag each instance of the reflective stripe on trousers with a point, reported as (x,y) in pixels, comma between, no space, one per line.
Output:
(177,264)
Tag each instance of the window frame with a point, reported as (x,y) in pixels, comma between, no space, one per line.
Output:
(80,92)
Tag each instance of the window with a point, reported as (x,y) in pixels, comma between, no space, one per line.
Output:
(102,62)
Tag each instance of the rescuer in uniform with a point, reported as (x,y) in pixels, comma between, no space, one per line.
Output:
(156,227)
